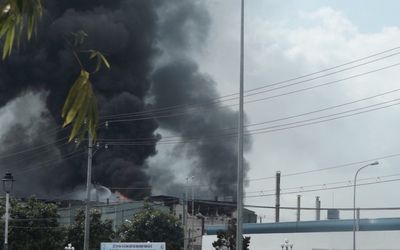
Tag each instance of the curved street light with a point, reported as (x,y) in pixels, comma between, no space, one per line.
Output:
(354,202)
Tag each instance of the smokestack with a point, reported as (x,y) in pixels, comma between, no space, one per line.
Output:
(317,208)
(277,194)
(298,207)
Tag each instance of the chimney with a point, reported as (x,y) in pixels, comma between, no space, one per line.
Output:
(298,207)
(278,193)
(318,208)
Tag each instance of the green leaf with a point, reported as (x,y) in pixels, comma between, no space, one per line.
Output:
(12,14)
(105,61)
(100,59)
(83,132)
(79,37)
(31,20)
(76,106)
(81,116)
(92,54)
(20,6)
(21,28)
(80,81)
(7,47)
(98,64)
(93,119)
(80,103)
(5,27)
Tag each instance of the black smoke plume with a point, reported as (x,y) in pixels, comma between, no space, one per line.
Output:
(147,44)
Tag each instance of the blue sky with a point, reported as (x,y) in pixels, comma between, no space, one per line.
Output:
(368,16)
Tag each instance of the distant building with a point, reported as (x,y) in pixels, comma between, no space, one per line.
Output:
(206,212)
(119,212)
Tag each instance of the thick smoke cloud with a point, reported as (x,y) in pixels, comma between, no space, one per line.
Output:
(208,128)
(125,31)
(148,45)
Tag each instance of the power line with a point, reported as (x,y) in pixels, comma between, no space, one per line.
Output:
(70,156)
(336,67)
(233,129)
(276,95)
(220,99)
(269,129)
(55,130)
(145,141)
(322,189)
(324,185)
(313,208)
(34,148)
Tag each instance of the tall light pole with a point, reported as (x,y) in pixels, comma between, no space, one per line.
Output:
(8,182)
(239,226)
(354,202)
(185,216)
(192,234)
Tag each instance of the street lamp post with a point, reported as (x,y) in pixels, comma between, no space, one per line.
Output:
(8,182)
(354,202)
(286,245)
(192,235)
(185,216)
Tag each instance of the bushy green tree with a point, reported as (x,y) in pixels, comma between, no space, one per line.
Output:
(33,225)
(99,231)
(153,225)
(226,239)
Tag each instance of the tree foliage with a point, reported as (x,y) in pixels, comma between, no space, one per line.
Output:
(13,20)
(33,225)
(80,107)
(226,239)
(99,231)
(153,225)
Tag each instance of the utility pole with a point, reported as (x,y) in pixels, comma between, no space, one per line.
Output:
(88,187)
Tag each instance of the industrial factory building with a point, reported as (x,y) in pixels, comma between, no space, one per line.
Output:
(202,214)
